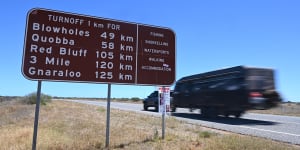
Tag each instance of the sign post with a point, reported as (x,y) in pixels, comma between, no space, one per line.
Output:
(163,114)
(36,116)
(108,115)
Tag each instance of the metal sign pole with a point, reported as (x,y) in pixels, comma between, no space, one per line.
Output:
(163,113)
(108,115)
(36,118)
(163,125)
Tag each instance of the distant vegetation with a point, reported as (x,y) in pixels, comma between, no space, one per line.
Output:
(32,98)
(286,108)
(8,98)
(133,99)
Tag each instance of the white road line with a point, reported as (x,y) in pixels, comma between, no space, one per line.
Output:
(267,115)
(297,135)
(272,120)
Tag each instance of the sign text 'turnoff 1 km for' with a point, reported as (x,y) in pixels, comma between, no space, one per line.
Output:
(62,46)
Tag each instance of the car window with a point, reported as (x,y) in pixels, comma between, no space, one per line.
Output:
(154,94)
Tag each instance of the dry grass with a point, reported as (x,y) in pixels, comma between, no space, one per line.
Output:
(288,109)
(66,125)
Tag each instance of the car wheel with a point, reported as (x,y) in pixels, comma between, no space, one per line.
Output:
(156,108)
(145,107)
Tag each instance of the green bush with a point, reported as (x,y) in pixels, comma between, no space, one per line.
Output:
(32,97)
(205,134)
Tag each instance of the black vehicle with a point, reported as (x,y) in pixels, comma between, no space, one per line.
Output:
(152,100)
(226,92)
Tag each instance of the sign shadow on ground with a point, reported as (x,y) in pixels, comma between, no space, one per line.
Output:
(224,120)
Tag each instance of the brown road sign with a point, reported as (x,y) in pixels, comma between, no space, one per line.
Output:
(63,46)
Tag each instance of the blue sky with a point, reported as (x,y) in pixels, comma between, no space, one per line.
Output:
(209,35)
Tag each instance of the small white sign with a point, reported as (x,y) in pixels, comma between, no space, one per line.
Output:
(164,99)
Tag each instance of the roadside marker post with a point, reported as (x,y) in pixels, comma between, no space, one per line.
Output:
(163,105)
(163,113)
(163,124)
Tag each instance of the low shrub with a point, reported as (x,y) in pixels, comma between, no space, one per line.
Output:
(32,98)
(205,134)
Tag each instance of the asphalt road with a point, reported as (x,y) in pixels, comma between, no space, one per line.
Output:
(279,128)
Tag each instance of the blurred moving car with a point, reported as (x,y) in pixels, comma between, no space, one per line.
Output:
(151,101)
(229,91)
